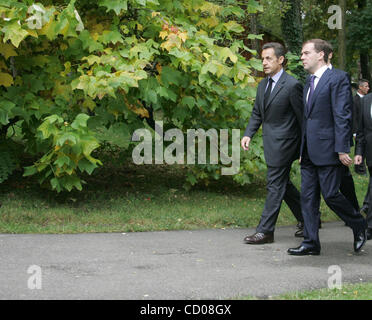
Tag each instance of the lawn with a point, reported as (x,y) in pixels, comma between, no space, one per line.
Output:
(125,198)
(360,291)
(348,291)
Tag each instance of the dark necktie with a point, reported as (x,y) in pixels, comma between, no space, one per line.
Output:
(268,91)
(309,99)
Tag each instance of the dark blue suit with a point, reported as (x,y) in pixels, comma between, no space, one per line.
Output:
(326,132)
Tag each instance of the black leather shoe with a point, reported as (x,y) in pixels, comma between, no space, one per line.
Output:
(259,238)
(303,251)
(369,233)
(360,238)
(300,230)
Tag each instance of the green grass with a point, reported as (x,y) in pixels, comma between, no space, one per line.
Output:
(125,198)
(362,291)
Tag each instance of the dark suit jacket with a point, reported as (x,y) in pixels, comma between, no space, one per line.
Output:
(327,126)
(364,133)
(281,120)
(356,109)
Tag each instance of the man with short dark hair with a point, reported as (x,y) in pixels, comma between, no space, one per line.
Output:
(363,88)
(325,144)
(278,107)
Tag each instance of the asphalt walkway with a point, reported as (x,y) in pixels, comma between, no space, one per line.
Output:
(202,264)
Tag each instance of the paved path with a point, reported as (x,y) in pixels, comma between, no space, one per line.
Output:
(202,264)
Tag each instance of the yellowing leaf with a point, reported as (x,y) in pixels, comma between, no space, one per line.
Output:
(63,46)
(14,33)
(233,26)
(32,33)
(92,59)
(98,28)
(209,22)
(154,14)
(163,34)
(3,66)
(183,36)
(137,110)
(6,79)
(159,68)
(140,111)
(227,53)
(173,41)
(211,8)
(7,50)
(48,30)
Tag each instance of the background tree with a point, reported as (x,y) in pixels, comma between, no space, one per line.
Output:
(359,36)
(291,25)
(74,72)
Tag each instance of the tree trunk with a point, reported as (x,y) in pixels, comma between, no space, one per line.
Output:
(342,38)
(364,65)
(292,32)
(364,56)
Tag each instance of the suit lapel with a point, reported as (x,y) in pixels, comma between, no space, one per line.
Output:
(262,93)
(306,89)
(322,81)
(277,88)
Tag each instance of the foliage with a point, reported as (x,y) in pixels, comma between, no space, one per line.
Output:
(360,28)
(70,69)
(9,152)
(7,165)
(293,33)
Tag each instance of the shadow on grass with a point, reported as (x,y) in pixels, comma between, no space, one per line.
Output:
(155,182)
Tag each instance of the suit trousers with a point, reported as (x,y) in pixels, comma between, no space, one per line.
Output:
(347,187)
(366,197)
(279,188)
(369,212)
(325,180)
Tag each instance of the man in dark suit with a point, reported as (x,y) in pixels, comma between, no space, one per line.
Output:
(347,187)
(278,107)
(325,145)
(364,147)
(363,88)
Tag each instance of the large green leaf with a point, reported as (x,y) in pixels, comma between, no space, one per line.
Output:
(116,5)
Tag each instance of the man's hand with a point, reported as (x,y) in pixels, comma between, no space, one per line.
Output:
(345,159)
(358,159)
(245,143)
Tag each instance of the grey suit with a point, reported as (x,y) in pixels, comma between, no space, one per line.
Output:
(281,119)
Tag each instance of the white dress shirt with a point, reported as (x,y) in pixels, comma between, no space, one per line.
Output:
(275,78)
(318,74)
